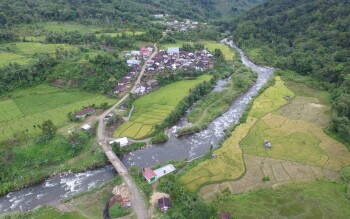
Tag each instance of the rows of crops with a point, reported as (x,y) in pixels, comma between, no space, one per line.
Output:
(152,109)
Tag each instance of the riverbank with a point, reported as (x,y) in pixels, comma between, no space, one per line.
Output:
(218,101)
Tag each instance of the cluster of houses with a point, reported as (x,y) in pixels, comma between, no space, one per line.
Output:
(168,61)
(134,59)
(182,26)
(160,16)
(161,64)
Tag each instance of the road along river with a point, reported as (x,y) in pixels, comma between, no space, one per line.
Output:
(186,147)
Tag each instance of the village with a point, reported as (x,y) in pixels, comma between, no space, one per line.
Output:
(163,64)
(175,25)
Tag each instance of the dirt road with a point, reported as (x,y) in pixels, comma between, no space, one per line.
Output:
(138,204)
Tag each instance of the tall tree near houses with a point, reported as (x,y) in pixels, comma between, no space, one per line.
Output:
(48,129)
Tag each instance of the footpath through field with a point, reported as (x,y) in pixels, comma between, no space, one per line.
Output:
(138,204)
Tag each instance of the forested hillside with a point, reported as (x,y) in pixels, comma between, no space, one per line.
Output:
(116,11)
(308,37)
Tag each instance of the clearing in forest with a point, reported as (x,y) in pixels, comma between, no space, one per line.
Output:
(153,108)
(24,109)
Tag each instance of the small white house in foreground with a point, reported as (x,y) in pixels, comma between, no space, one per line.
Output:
(86,127)
(122,141)
(153,175)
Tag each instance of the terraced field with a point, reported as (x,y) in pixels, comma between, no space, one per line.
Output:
(229,164)
(23,109)
(153,108)
(299,145)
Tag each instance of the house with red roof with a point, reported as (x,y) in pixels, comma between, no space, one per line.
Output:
(145,51)
(149,175)
(85,112)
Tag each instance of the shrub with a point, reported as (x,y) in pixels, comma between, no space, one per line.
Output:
(345,174)
(159,138)
(266,178)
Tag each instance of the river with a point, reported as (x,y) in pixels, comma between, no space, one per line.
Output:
(186,147)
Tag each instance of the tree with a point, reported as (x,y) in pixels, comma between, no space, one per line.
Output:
(133,170)
(116,149)
(48,129)
(3,19)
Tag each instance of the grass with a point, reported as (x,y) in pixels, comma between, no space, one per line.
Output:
(69,27)
(22,109)
(35,38)
(24,52)
(117,211)
(30,48)
(8,57)
(227,51)
(30,163)
(128,33)
(45,213)
(93,202)
(153,108)
(317,199)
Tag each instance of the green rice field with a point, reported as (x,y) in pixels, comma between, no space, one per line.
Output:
(30,48)
(23,52)
(69,27)
(23,109)
(153,108)
(8,57)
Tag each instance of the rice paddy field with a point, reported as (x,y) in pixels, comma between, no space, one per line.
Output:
(69,27)
(229,163)
(209,45)
(22,109)
(294,128)
(153,108)
(30,48)
(23,52)
(316,199)
(8,57)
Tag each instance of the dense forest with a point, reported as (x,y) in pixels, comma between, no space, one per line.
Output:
(309,37)
(121,12)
